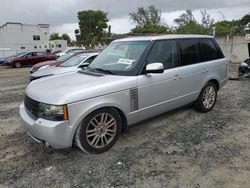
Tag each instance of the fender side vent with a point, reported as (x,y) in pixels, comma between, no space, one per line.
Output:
(133,99)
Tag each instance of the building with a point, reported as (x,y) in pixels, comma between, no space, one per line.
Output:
(16,37)
(23,36)
(55,45)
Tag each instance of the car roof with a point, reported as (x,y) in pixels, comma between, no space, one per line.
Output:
(161,37)
(89,53)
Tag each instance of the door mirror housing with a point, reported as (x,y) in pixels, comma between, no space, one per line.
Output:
(83,65)
(154,68)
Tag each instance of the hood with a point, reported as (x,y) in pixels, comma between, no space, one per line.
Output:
(73,87)
(51,62)
(52,71)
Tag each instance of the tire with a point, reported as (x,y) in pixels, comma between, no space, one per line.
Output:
(17,65)
(207,98)
(103,127)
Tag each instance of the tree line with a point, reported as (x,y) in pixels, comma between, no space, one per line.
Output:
(94,28)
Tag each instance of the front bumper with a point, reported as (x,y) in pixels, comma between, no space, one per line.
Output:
(57,134)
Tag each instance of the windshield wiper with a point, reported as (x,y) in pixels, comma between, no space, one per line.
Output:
(103,70)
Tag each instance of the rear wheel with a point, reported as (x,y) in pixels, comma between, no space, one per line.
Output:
(99,131)
(17,65)
(207,98)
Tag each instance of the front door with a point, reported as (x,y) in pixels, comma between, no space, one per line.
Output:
(159,92)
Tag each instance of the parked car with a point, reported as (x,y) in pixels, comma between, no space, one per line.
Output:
(68,50)
(131,80)
(9,58)
(244,69)
(30,58)
(56,52)
(56,62)
(71,65)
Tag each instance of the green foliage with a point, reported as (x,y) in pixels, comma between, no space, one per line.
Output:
(245,19)
(148,21)
(66,37)
(187,23)
(191,27)
(92,25)
(54,36)
(224,28)
(158,29)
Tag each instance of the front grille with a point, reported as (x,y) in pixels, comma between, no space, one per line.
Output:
(31,105)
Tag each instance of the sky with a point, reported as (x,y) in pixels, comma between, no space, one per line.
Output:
(62,14)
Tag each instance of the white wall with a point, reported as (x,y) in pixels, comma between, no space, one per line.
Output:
(235,48)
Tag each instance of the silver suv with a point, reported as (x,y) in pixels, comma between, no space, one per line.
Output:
(131,80)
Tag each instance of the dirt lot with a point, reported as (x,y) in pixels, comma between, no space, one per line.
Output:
(182,148)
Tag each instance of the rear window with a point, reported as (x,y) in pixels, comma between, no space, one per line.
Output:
(209,50)
(189,51)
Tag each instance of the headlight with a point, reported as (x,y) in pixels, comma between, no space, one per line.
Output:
(53,112)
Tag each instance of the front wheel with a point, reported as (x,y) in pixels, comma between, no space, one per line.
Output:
(99,131)
(17,65)
(207,98)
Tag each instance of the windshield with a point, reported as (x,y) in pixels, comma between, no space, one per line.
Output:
(65,57)
(74,61)
(119,57)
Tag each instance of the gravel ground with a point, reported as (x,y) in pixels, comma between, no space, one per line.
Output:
(182,148)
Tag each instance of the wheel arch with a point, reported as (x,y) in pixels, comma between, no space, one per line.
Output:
(216,82)
(116,108)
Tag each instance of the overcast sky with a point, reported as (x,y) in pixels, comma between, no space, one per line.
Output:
(62,14)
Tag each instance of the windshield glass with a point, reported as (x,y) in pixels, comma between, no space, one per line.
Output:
(119,57)
(74,61)
(65,57)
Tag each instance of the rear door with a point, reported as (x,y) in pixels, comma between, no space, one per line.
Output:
(193,71)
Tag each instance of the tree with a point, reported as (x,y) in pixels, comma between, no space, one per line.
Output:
(185,18)
(245,19)
(206,20)
(54,36)
(92,25)
(66,37)
(187,23)
(148,21)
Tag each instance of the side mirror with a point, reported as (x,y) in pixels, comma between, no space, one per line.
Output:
(154,68)
(83,65)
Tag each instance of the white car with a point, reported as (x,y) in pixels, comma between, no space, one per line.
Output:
(67,50)
(71,65)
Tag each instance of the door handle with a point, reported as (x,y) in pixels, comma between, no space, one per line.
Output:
(204,71)
(176,77)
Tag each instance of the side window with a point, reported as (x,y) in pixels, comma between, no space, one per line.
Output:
(34,54)
(40,53)
(164,52)
(189,51)
(210,52)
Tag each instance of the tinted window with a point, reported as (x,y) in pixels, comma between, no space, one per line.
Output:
(189,51)
(164,52)
(210,52)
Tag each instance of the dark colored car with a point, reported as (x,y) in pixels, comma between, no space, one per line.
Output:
(58,61)
(4,60)
(244,69)
(30,58)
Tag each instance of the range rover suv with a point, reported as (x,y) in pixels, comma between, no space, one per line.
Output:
(131,80)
